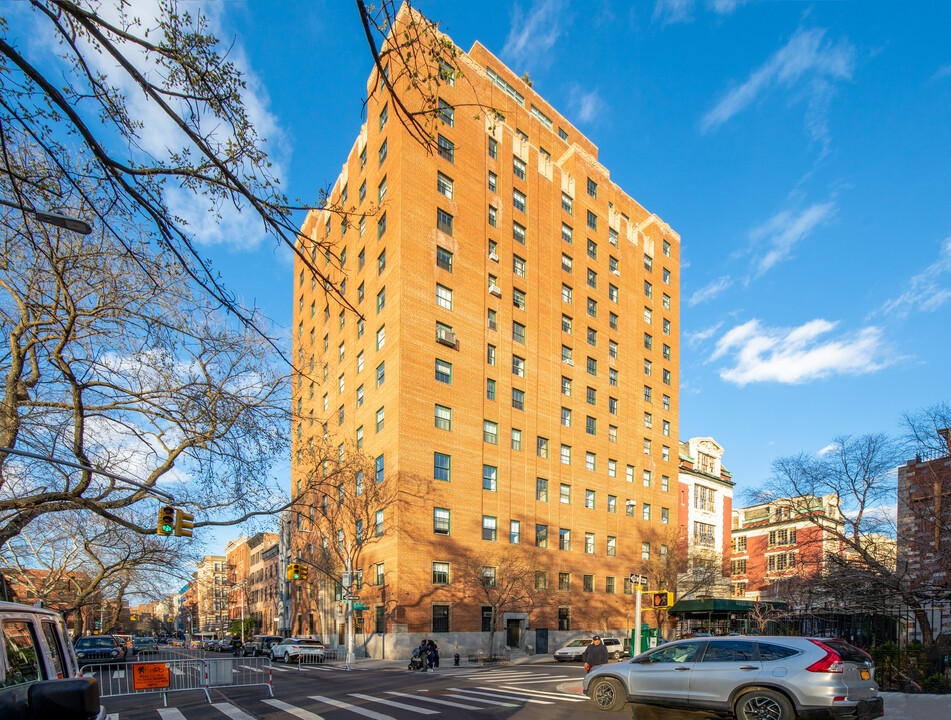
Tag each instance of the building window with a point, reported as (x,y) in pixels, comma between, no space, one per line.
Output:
(490,389)
(645,551)
(589,499)
(493,149)
(518,266)
(490,432)
(591,425)
(566,455)
(541,447)
(518,233)
(592,397)
(490,478)
(446,112)
(541,580)
(612,546)
(518,332)
(381,337)
(516,439)
(565,386)
(443,417)
(665,516)
(492,320)
(565,493)
(489,528)
(566,417)
(588,583)
(444,185)
(592,249)
(443,258)
(518,200)
(564,614)
(518,366)
(493,182)
(566,235)
(592,366)
(567,203)
(515,532)
(518,399)
(442,466)
(493,216)
(518,298)
(592,220)
(379,420)
(541,490)
(612,405)
(444,221)
(518,168)
(440,618)
(445,148)
(441,525)
(645,511)
(381,155)
(665,483)
(612,293)
(566,293)
(590,460)
(380,373)
(592,279)
(612,377)
(703,534)
(443,371)
(564,539)
(541,536)
(444,297)
(592,188)
(379,467)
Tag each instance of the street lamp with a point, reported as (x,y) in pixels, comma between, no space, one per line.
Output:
(66,222)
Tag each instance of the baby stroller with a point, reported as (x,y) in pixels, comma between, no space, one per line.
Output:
(417,662)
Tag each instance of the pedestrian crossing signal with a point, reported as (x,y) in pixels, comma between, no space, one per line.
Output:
(166,520)
(661,599)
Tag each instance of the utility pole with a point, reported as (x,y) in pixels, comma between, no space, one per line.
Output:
(348,588)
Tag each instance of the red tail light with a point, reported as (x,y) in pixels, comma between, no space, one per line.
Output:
(831,663)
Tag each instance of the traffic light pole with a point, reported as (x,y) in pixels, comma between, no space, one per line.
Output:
(637,621)
(349,589)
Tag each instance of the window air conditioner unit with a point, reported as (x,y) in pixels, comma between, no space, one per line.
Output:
(568,361)
(446,337)
(493,257)
(495,290)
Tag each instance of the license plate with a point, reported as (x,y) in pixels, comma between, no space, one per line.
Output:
(865,675)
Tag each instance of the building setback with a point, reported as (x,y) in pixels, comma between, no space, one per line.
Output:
(515,372)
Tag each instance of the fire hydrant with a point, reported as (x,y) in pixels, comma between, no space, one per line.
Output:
(455,659)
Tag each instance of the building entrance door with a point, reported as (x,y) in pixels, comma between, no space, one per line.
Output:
(341,631)
(513,633)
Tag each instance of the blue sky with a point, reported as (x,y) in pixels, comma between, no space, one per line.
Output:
(802,151)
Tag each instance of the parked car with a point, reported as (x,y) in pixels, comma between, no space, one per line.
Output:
(39,675)
(260,645)
(289,650)
(573,650)
(144,646)
(780,678)
(99,649)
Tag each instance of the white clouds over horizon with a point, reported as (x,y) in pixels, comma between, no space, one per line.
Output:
(586,105)
(775,239)
(925,291)
(534,33)
(670,12)
(797,355)
(808,64)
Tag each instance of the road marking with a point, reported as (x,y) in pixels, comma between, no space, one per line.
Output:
(275,668)
(435,700)
(484,700)
(352,708)
(543,694)
(552,678)
(393,703)
(176,671)
(169,714)
(505,696)
(112,716)
(118,674)
(291,709)
(231,711)
(251,668)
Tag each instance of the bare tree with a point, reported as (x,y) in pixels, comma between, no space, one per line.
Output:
(77,562)
(505,580)
(113,363)
(855,477)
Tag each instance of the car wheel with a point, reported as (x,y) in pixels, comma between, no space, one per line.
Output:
(287,658)
(615,656)
(763,705)
(608,694)
(560,659)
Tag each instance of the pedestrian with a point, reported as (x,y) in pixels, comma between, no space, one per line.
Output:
(435,648)
(424,654)
(595,654)
(430,654)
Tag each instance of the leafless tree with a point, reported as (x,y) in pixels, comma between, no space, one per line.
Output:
(75,562)
(505,580)
(112,362)
(856,476)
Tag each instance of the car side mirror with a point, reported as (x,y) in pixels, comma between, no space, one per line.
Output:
(66,699)
(643,660)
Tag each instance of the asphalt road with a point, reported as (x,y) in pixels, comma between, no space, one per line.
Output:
(546,691)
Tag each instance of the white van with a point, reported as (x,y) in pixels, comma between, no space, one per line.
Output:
(39,675)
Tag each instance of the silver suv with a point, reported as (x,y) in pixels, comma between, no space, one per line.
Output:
(774,678)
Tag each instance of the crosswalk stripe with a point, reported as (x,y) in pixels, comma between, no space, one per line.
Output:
(112,716)
(352,708)
(544,694)
(553,678)
(504,696)
(393,703)
(275,668)
(231,711)
(435,700)
(483,700)
(169,714)
(118,674)
(251,667)
(176,671)
(291,709)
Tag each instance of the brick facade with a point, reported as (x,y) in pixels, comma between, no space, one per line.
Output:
(591,260)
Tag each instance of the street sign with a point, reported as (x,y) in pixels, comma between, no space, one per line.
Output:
(636,579)
(360,606)
(352,598)
(150,676)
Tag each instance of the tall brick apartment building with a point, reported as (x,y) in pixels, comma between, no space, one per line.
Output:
(517,357)
(924,519)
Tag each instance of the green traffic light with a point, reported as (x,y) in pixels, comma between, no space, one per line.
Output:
(297,576)
(167,528)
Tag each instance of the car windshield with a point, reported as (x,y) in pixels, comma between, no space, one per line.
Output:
(848,652)
(143,641)
(578,643)
(95,642)
(310,642)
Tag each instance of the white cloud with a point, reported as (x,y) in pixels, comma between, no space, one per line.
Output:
(669,12)
(827,449)
(725,7)
(586,106)
(534,33)
(776,238)
(942,72)
(797,355)
(807,64)
(695,338)
(924,290)
(710,290)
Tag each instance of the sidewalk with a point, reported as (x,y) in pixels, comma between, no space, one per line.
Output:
(444,663)
(902,706)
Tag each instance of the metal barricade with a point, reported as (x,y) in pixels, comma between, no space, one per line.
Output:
(310,655)
(165,676)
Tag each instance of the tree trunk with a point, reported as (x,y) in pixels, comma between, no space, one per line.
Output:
(924,623)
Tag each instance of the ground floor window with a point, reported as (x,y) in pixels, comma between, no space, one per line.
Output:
(380,619)
(564,618)
(440,618)
(486,618)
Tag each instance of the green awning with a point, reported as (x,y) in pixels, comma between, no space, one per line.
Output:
(719,605)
